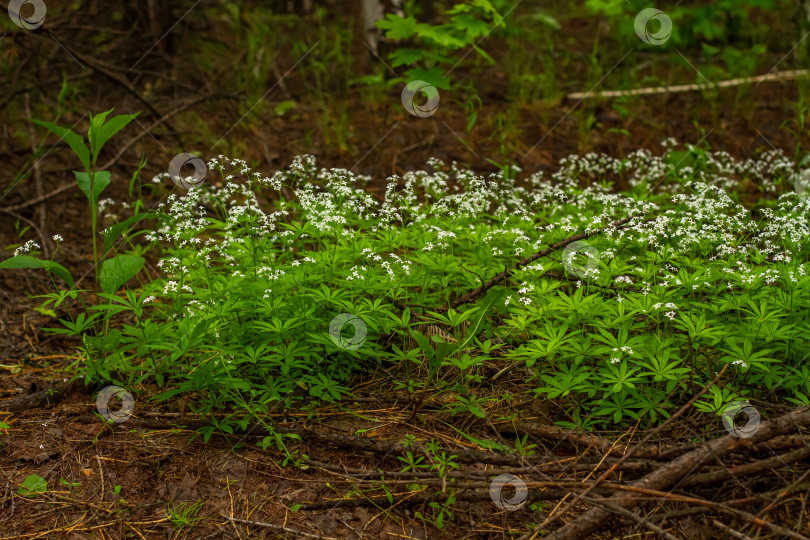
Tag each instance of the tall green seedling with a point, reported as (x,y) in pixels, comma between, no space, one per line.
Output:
(91,181)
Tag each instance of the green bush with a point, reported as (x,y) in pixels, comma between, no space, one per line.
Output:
(639,298)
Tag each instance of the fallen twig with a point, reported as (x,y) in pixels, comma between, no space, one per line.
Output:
(424,498)
(584,439)
(633,449)
(276,527)
(778,76)
(633,516)
(748,469)
(472,295)
(38,399)
(728,530)
(670,473)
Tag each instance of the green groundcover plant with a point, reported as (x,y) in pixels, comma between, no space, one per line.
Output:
(273,286)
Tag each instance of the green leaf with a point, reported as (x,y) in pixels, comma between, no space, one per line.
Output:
(492,446)
(100,181)
(112,233)
(26,261)
(473,27)
(46,311)
(486,306)
(484,55)
(406,57)
(96,121)
(546,19)
(284,106)
(118,270)
(74,140)
(433,76)
(398,27)
(441,36)
(33,486)
(485,6)
(106,131)
(423,343)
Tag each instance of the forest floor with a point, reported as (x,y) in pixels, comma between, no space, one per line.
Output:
(150,477)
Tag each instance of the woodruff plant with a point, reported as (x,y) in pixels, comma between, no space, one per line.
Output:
(691,283)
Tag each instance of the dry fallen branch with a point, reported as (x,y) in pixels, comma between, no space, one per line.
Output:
(368,444)
(425,497)
(582,439)
(633,516)
(748,469)
(631,451)
(669,474)
(275,527)
(731,532)
(778,76)
(727,509)
(41,398)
